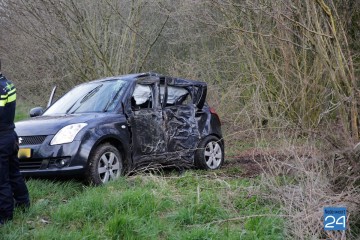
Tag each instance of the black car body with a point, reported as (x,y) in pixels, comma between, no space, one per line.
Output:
(104,128)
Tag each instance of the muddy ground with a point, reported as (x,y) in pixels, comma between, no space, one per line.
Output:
(247,164)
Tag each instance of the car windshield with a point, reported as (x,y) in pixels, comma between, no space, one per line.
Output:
(91,97)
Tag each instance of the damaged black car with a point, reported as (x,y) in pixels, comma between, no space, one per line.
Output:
(105,128)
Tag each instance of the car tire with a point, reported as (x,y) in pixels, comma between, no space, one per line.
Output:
(210,153)
(105,164)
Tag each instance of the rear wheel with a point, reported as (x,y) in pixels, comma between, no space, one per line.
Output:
(105,164)
(210,153)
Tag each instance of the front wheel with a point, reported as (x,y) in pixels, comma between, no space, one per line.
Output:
(210,153)
(105,164)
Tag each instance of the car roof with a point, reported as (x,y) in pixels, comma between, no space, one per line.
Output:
(150,77)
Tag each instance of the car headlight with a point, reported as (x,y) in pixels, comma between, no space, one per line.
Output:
(67,133)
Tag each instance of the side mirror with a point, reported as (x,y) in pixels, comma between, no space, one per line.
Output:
(37,111)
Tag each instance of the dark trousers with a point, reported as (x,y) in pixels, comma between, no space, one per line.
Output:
(13,190)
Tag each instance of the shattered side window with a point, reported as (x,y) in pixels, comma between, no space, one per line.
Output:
(142,97)
(176,95)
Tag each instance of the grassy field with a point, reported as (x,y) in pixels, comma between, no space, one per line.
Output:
(22,110)
(195,205)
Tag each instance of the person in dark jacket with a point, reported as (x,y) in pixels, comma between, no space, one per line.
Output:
(13,190)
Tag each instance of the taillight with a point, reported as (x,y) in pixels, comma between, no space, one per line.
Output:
(212,111)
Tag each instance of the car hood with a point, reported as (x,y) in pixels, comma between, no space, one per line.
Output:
(48,125)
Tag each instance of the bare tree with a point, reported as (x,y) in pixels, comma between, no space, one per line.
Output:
(81,40)
(279,61)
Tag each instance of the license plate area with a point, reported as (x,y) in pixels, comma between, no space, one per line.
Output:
(24,153)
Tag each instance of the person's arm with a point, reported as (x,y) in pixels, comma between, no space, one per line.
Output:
(3,101)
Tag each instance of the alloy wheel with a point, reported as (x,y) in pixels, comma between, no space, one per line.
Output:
(213,154)
(109,167)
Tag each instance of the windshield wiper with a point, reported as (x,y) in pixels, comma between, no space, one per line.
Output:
(84,99)
(90,94)
(111,100)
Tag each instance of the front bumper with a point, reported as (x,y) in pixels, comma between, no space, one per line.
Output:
(47,160)
(66,171)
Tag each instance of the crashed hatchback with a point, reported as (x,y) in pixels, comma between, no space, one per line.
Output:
(105,128)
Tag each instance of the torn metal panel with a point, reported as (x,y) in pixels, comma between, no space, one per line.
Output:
(200,92)
(168,141)
(203,120)
(182,133)
(147,133)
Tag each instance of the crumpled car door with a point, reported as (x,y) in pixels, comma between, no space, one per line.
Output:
(182,133)
(147,128)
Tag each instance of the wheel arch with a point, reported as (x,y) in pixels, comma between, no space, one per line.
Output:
(215,135)
(117,143)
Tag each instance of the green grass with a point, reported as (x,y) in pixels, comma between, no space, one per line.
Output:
(22,111)
(197,205)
